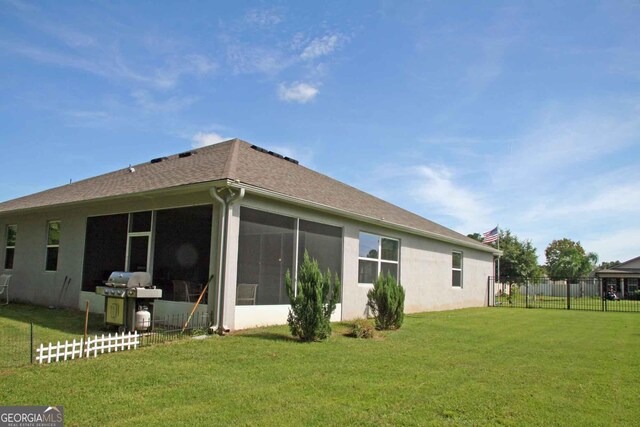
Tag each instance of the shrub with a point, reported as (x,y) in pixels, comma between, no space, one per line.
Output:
(313,303)
(386,301)
(362,328)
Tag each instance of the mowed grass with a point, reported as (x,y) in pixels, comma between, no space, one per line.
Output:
(49,325)
(486,366)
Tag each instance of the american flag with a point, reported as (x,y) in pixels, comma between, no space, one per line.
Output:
(490,236)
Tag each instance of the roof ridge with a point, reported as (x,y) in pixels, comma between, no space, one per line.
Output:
(229,170)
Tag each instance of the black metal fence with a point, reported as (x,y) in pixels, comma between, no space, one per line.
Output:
(16,345)
(588,293)
(176,326)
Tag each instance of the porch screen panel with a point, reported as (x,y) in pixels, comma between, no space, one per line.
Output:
(104,250)
(265,253)
(323,243)
(182,249)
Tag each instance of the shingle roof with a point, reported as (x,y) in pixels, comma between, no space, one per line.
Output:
(234,160)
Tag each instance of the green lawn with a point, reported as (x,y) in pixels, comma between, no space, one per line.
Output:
(484,366)
(49,325)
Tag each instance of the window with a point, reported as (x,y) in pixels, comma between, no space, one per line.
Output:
(10,248)
(378,255)
(456,268)
(267,249)
(138,244)
(53,245)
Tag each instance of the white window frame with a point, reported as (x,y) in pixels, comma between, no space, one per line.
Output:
(457,269)
(7,246)
(379,260)
(48,246)
(150,242)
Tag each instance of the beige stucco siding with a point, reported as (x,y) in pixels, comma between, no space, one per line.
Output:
(425,263)
(31,283)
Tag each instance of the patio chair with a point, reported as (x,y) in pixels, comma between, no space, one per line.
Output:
(246,294)
(4,287)
(181,291)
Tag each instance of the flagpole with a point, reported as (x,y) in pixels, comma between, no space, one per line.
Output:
(498,227)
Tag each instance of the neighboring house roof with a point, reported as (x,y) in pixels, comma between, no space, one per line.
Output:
(240,162)
(630,267)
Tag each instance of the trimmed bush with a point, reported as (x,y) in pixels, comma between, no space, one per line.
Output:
(386,301)
(313,302)
(362,328)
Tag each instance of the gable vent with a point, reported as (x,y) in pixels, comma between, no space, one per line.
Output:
(158,160)
(274,154)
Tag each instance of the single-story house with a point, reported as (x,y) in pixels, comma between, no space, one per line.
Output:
(243,215)
(622,279)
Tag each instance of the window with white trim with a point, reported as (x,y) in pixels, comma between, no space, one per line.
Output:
(10,247)
(53,245)
(456,269)
(378,255)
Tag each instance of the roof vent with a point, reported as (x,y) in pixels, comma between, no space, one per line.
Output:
(158,160)
(274,154)
(186,154)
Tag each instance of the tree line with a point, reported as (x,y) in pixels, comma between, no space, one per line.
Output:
(565,258)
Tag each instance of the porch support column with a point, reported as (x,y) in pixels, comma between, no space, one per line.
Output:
(226,196)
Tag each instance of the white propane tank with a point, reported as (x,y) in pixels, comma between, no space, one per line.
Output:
(143,319)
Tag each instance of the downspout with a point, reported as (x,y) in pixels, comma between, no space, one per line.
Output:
(219,326)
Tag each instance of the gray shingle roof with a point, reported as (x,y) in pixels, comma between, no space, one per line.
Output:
(234,160)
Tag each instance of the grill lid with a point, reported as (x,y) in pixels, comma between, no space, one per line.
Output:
(122,279)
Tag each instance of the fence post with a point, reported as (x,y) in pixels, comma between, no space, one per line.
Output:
(488,291)
(526,293)
(31,343)
(568,294)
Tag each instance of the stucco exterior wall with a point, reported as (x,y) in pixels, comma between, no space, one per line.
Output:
(31,283)
(424,268)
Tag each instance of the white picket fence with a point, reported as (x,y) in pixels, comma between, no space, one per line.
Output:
(95,345)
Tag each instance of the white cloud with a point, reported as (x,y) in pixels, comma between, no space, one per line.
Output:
(263,18)
(202,139)
(320,46)
(172,104)
(548,153)
(620,245)
(297,92)
(248,59)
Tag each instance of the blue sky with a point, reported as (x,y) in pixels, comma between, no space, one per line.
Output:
(525,114)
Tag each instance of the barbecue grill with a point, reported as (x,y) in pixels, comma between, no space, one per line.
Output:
(124,293)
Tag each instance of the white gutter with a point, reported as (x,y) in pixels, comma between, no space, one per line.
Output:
(219,326)
(356,216)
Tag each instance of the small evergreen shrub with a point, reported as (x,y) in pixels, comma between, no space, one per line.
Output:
(313,302)
(362,328)
(386,301)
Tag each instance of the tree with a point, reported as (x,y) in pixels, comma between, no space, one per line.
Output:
(477,236)
(313,302)
(567,259)
(604,265)
(386,301)
(518,260)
